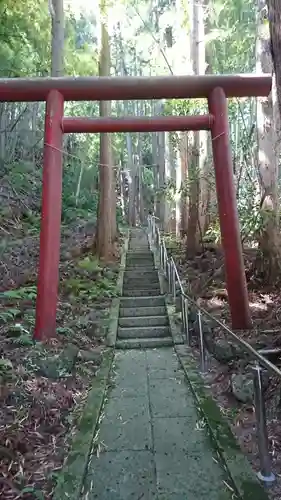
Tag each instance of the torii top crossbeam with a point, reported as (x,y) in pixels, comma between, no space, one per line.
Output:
(120,88)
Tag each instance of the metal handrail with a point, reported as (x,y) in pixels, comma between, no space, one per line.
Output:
(265,473)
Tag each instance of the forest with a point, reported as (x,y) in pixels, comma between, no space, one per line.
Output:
(113,182)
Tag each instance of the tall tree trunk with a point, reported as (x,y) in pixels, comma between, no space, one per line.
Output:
(268,127)
(130,170)
(162,178)
(155,168)
(105,223)
(194,142)
(274,17)
(183,146)
(57,59)
(132,181)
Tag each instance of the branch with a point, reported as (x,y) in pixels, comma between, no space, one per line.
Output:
(154,38)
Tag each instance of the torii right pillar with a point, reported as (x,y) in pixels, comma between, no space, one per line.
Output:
(228,213)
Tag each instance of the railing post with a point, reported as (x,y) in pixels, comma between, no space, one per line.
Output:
(265,473)
(186,322)
(169,276)
(201,344)
(183,315)
(173,282)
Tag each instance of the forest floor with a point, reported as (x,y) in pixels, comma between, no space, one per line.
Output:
(41,386)
(228,376)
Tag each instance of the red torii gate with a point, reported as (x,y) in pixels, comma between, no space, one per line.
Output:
(216,88)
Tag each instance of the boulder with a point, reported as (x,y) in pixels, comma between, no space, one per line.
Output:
(58,366)
(91,355)
(222,350)
(242,386)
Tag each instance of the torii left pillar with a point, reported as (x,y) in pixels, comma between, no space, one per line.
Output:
(48,274)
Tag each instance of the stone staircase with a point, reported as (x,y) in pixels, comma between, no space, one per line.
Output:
(143,320)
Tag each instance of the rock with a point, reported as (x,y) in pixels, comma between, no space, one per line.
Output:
(49,368)
(222,349)
(55,367)
(178,304)
(95,330)
(242,386)
(68,357)
(90,355)
(192,315)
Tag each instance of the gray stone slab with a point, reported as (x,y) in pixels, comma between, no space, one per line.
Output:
(150,321)
(129,386)
(162,358)
(163,364)
(140,332)
(147,292)
(126,424)
(190,477)
(144,343)
(122,476)
(158,300)
(183,434)
(141,311)
(128,363)
(164,373)
(127,408)
(169,398)
(130,380)
(129,375)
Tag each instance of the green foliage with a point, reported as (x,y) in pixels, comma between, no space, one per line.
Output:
(8,314)
(20,336)
(232,36)
(27,292)
(37,494)
(6,370)
(85,290)
(90,264)
(213,233)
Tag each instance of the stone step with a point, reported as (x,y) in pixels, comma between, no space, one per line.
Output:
(131,292)
(144,343)
(139,256)
(149,321)
(139,252)
(138,248)
(139,278)
(131,312)
(143,332)
(135,302)
(140,273)
(146,266)
(139,262)
(146,281)
(142,285)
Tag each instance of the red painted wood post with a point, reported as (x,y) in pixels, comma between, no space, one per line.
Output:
(228,213)
(48,273)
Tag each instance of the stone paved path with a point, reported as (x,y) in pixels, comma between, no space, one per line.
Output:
(152,443)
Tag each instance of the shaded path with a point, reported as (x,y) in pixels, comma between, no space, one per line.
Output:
(152,444)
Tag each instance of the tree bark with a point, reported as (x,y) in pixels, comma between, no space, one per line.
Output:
(268,128)
(194,163)
(274,17)
(105,224)
(57,59)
